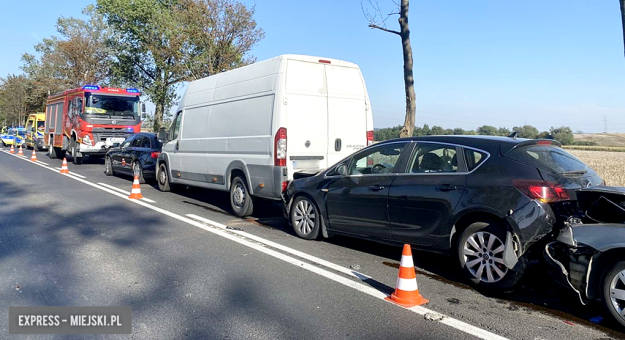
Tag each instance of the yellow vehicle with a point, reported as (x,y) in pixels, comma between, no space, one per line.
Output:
(35,127)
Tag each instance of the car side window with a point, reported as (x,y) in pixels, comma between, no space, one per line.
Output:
(137,142)
(434,158)
(127,142)
(379,160)
(145,142)
(473,158)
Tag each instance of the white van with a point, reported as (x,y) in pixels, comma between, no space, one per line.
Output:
(248,130)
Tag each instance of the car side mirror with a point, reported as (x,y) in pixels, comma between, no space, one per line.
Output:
(162,135)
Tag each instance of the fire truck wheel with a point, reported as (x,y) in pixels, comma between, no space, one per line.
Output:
(75,159)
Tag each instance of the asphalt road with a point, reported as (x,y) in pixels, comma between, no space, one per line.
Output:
(189,269)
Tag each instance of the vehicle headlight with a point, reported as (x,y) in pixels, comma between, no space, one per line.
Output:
(87,140)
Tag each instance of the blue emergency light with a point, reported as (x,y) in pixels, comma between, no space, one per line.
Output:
(132,90)
(91,87)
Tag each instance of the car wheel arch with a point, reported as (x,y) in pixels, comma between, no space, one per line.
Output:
(238,168)
(470,217)
(601,263)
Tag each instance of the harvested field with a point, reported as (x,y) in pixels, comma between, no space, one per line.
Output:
(610,165)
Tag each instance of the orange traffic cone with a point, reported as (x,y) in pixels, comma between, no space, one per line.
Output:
(12,149)
(20,152)
(123,162)
(407,292)
(135,193)
(64,168)
(33,157)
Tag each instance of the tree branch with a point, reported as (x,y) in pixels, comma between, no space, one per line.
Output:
(384,29)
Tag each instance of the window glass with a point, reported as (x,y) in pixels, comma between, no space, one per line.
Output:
(175,128)
(145,142)
(434,158)
(137,142)
(550,158)
(127,142)
(380,160)
(473,158)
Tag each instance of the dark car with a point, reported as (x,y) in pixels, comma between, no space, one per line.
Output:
(486,200)
(588,254)
(135,156)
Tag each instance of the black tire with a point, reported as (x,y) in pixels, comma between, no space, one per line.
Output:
(611,277)
(162,178)
(240,199)
(138,170)
(305,218)
(108,166)
(75,159)
(52,152)
(486,269)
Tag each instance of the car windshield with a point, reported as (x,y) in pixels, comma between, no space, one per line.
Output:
(41,125)
(548,158)
(112,106)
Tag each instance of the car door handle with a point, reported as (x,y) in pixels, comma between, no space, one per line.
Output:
(446,187)
(177,144)
(376,187)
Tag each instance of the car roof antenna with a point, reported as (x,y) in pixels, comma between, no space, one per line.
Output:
(513,134)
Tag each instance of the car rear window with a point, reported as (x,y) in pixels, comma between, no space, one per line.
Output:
(550,158)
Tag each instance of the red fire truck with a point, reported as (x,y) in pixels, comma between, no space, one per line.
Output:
(89,120)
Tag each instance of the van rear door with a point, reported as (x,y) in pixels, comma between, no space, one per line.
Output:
(307,116)
(347,112)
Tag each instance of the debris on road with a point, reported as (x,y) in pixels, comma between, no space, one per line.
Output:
(596,319)
(355,266)
(434,316)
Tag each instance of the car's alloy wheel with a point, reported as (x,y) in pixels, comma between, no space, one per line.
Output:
(305,218)
(108,166)
(137,170)
(614,291)
(483,255)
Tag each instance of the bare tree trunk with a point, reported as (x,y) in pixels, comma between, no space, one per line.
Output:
(622,3)
(158,116)
(411,106)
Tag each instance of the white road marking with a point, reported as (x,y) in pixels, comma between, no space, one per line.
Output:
(75,174)
(233,235)
(124,192)
(42,163)
(286,249)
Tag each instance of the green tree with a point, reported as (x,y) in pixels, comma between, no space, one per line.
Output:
(160,43)
(502,131)
(437,130)
(526,131)
(14,91)
(562,134)
(459,131)
(79,56)
(487,130)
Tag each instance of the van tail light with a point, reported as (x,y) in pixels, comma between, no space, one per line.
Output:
(155,154)
(279,150)
(369,138)
(284,186)
(543,191)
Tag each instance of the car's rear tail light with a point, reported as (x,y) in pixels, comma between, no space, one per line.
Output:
(369,138)
(280,148)
(544,142)
(155,154)
(543,191)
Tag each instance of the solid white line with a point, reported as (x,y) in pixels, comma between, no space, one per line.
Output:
(219,229)
(75,174)
(124,192)
(286,249)
(43,163)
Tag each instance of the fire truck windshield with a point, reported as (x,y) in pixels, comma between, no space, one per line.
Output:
(112,106)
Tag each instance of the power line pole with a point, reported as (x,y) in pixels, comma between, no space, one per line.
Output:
(605,124)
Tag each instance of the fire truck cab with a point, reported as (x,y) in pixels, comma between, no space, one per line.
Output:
(87,121)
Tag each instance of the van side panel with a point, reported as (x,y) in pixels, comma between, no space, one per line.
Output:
(306,112)
(193,144)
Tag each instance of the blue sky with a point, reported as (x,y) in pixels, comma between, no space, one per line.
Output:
(501,63)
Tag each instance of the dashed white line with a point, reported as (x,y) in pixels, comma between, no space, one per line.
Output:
(237,236)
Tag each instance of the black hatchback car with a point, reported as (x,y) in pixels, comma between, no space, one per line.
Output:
(485,200)
(135,156)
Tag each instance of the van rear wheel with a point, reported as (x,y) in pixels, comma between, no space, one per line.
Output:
(240,199)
